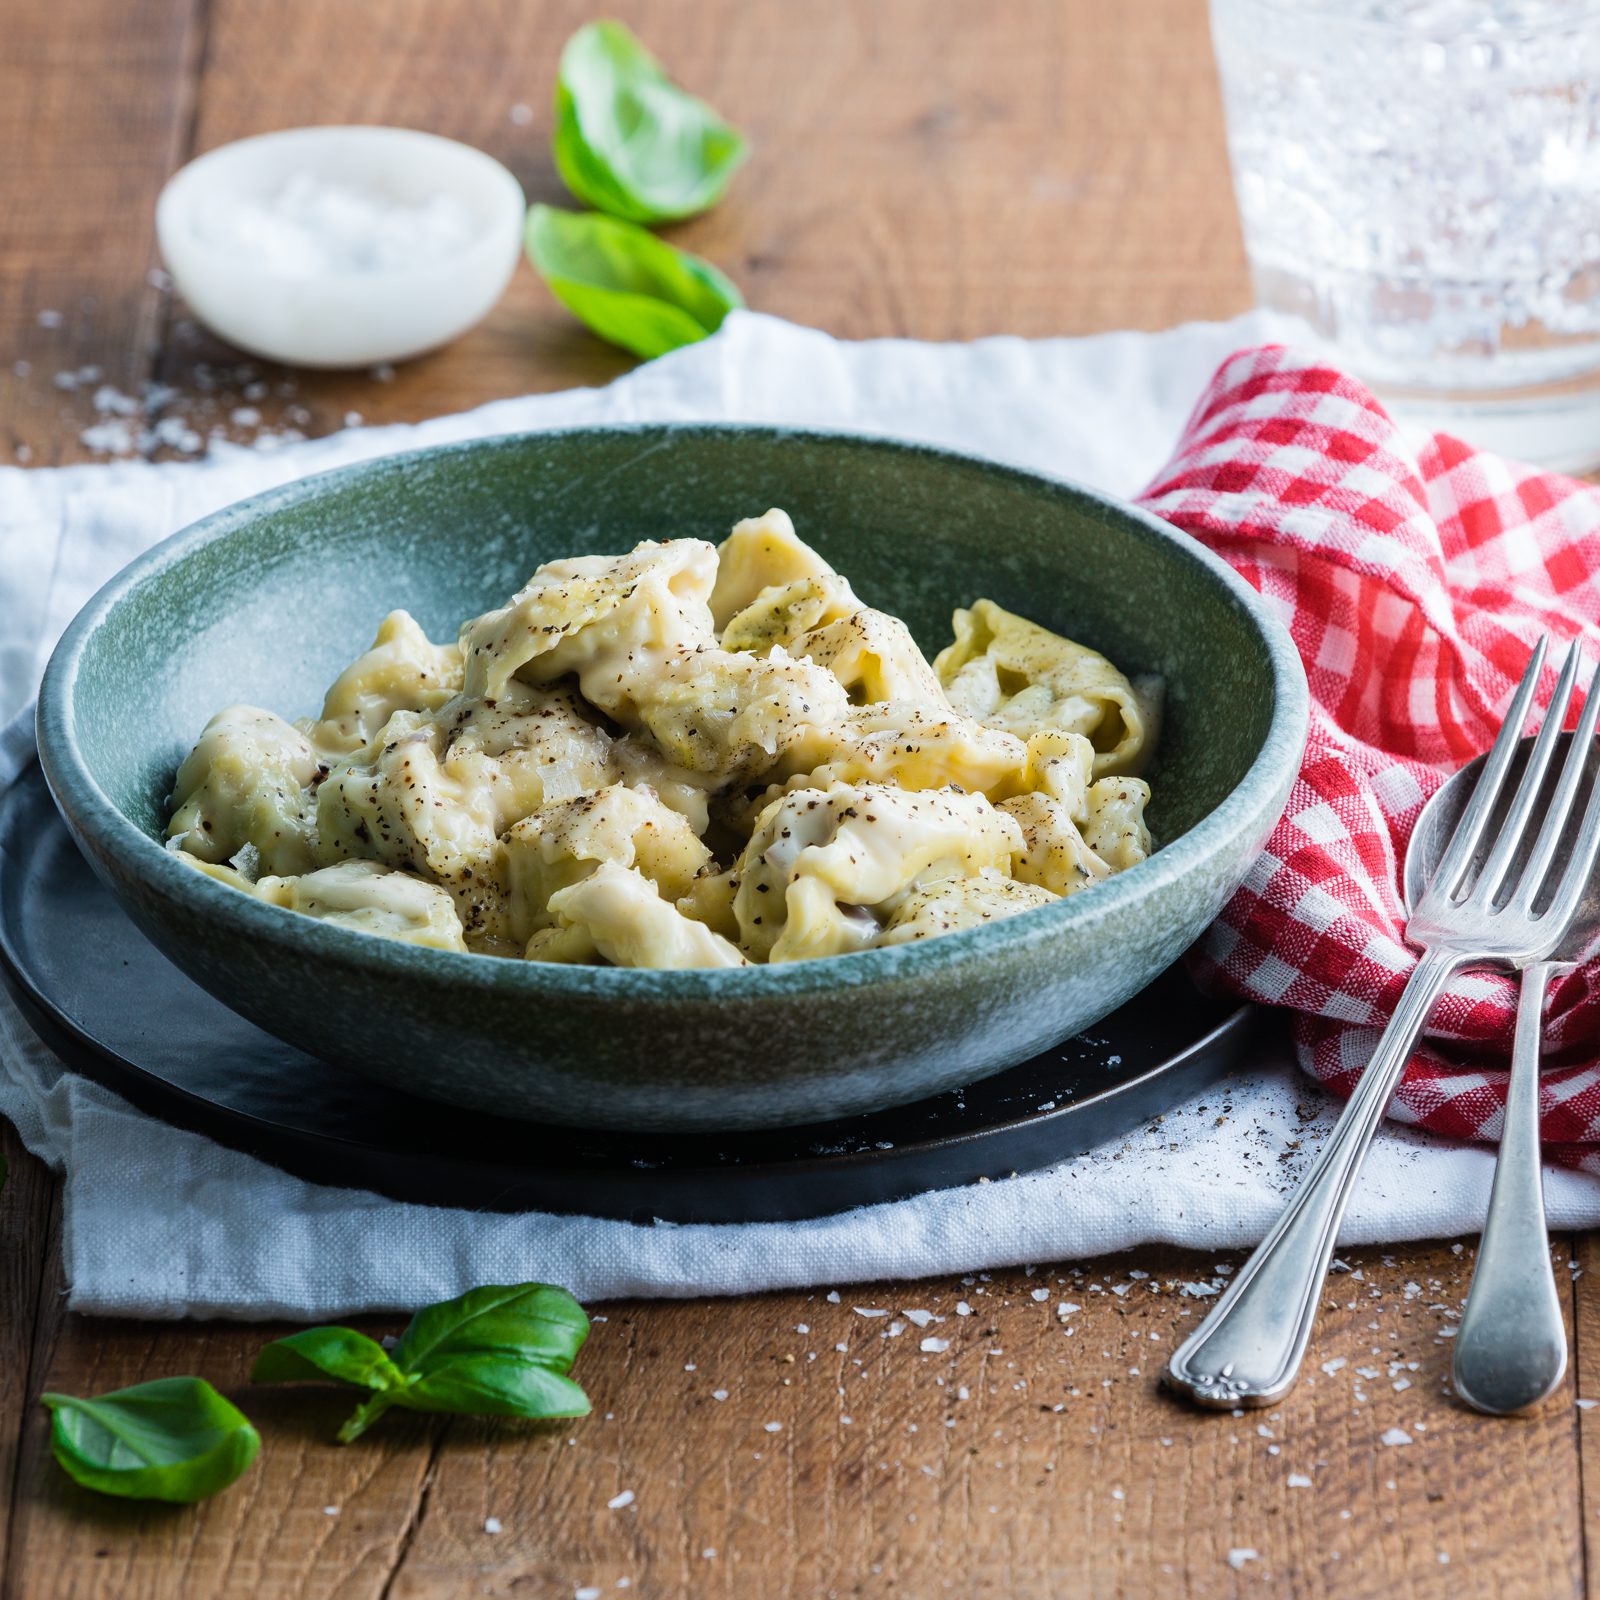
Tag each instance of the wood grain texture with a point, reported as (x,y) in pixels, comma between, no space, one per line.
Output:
(94,113)
(925,168)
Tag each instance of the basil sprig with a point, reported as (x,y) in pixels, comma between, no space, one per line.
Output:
(502,1350)
(626,284)
(628,141)
(172,1439)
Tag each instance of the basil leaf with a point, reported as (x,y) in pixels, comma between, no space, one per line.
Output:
(173,1439)
(338,1353)
(629,141)
(497,1386)
(533,1320)
(624,283)
(500,1350)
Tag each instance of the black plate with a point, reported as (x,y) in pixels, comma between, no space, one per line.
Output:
(117,1011)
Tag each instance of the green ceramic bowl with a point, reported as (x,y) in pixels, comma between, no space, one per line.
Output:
(268,600)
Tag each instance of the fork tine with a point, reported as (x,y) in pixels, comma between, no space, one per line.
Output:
(1510,836)
(1572,883)
(1469,831)
(1580,869)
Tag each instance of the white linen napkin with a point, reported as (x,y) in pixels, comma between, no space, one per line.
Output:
(160,1222)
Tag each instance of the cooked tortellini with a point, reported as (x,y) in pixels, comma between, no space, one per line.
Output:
(682,756)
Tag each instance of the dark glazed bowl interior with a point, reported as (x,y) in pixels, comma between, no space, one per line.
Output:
(267,601)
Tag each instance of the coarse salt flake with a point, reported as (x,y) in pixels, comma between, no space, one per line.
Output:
(311,226)
(935,1346)
(1394,1436)
(491,1525)
(1237,1558)
(618,1501)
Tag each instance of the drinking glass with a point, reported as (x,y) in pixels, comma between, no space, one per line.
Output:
(1419,183)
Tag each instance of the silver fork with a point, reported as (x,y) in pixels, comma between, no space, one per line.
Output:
(1248,1351)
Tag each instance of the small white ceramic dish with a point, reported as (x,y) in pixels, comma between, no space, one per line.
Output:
(351,313)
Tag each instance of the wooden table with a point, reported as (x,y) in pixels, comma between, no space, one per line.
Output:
(933,169)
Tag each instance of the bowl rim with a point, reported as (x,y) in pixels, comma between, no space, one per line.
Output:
(89,810)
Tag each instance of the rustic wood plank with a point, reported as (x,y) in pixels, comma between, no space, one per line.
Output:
(994,1490)
(93,111)
(27,1206)
(936,171)
(1033,1457)
(271,1534)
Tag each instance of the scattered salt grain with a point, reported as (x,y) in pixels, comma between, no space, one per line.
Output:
(934,1346)
(1237,1558)
(870,1311)
(1298,1480)
(586,1594)
(963,1309)
(113,437)
(1335,1365)
(50,319)
(111,401)
(330,1511)
(618,1501)
(491,1525)
(719,1394)
(521,114)
(709,1553)
(833,1297)
(803,1327)
(1041,1294)
(920,1318)
(1394,1436)
(1588,1405)
(777,1427)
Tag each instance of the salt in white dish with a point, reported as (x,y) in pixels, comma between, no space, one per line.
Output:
(341,246)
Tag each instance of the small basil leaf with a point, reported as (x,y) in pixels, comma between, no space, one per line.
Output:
(316,1353)
(625,284)
(173,1439)
(497,1385)
(628,140)
(534,1322)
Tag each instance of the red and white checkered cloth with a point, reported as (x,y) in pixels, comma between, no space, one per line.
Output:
(1414,583)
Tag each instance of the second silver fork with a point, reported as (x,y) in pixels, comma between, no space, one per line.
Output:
(1514,909)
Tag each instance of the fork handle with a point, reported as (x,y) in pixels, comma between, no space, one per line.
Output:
(1248,1351)
(1511,1351)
